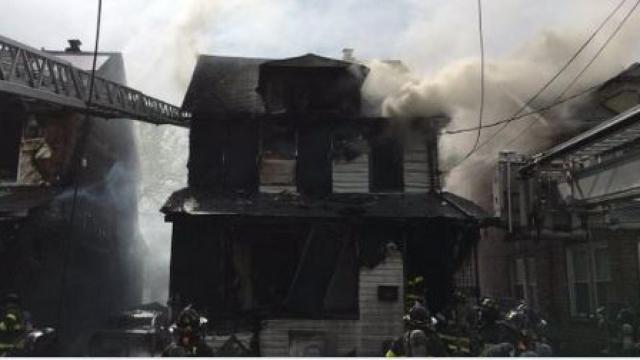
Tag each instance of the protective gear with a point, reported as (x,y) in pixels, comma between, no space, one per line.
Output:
(421,338)
(488,311)
(189,333)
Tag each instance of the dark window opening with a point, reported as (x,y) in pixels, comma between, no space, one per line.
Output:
(277,158)
(386,166)
(273,264)
(295,271)
(10,136)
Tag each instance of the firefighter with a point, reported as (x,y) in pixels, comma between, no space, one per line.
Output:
(493,338)
(626,324)
(189,336)
(420,339)
(527,327)
(13,326)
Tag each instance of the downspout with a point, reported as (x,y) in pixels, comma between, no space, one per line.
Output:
(509,195)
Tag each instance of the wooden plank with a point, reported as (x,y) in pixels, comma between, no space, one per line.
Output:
(351,176)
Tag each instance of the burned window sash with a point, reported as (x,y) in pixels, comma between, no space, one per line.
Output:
(350,157)
(313,169)
(241,157)
(386,165)
(233,269)
(12,117)
(278,156)
(207,141)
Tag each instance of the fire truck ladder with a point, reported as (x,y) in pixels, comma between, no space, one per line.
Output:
(31,73)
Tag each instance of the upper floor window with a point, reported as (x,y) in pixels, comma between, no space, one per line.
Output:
(10,138)
(589,276)
(278,159)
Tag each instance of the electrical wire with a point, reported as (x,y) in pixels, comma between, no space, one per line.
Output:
(523,115)
(604,45)
(584,69)
(78,165)
(545,86)
(480,115)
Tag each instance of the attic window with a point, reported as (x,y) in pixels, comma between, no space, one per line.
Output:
(10,135)
(278,159)
(623,101)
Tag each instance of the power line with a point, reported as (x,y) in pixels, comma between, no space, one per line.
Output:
(481,39)
(78,165)
(584,69)
(523,115)
(595,57)
(546,85)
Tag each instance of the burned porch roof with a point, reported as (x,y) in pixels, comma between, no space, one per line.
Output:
(190,201)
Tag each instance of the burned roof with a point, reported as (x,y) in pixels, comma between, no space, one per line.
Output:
(191,201)
(222,85)
(315,61)
(225,85)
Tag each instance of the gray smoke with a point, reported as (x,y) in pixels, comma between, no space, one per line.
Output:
(162,61)
(510,81)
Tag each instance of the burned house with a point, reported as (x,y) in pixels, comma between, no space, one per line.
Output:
(68,228)
(570,241)
(303,218)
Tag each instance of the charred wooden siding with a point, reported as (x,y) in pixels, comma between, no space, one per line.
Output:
(379,321)
(351,176)
(416,169)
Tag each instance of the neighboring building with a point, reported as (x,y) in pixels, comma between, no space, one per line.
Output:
(71,273)
(303,218)
(570,241)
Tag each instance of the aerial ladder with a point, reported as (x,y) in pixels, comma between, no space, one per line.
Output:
(31,73)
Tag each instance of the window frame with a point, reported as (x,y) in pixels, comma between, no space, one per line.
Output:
(528,282)
(593,279)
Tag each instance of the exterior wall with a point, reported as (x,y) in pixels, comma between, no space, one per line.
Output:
(416,169)
(351,176)
(493,258)
(379,321)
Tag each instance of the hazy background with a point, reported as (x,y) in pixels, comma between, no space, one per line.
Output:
(526,42)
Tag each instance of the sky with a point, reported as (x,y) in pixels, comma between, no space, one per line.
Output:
(425,34)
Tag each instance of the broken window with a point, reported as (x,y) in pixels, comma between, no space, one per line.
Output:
(350,172)
(10,136)
(295,271)
(277,158)
(386,166)
(313,170)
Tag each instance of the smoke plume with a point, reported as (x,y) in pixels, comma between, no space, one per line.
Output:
(162,62)
(510,81)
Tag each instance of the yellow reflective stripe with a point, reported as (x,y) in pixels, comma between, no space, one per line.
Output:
(390,354)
